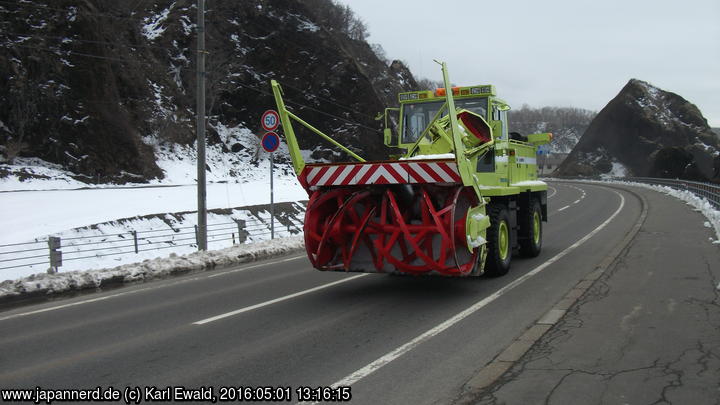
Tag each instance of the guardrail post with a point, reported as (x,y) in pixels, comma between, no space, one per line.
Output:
(242,233)
(54,245)
(134,234)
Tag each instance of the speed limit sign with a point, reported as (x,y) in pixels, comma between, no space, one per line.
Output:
(270,120)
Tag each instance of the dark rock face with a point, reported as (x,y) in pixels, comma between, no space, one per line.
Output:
(87,83)
(645,131)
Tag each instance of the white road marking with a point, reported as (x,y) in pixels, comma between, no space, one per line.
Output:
(577,201)
(276,300)
(554,192)
(387,358)
(563,208)
(106,297)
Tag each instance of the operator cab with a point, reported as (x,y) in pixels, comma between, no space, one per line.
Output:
(419,108)
(417,116)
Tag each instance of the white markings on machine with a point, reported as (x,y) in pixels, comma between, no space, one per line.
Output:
(387,358)
(276,300)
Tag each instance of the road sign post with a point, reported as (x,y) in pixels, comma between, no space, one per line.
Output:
(270,142)
(272,200)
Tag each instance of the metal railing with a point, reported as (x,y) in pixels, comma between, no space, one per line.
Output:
(709,191)
(52,251)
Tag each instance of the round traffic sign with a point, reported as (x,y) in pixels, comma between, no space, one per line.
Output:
(270,120)
(270,141)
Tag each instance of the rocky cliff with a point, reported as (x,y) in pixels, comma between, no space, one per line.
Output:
(645,131)
(100,87)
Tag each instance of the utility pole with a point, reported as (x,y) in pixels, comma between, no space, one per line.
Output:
(202,192)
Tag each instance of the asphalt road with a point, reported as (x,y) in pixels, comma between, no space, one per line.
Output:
(646,332)
(169,333)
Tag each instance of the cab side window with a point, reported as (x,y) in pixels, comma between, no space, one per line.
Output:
(501,116)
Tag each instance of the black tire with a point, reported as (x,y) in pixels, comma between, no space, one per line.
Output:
(495,264)
(530,243)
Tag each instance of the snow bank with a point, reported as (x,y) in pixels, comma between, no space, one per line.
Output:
(700,204)
(47,284)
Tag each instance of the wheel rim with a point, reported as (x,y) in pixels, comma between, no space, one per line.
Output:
(536,227)
(503,240)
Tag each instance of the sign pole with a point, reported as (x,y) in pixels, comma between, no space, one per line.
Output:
(270,142)
(272,200)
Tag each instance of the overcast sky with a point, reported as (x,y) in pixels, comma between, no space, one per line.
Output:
(557,52)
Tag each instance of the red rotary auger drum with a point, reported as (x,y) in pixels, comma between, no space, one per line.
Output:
(406,228)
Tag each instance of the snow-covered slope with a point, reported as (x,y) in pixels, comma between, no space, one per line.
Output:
(55,204)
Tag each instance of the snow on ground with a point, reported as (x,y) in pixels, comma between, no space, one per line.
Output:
(700,204)
(246,162)
(153,26)
(148,269)
(618,170)
(112,243)
(39,199)
(37,174)
(27,215)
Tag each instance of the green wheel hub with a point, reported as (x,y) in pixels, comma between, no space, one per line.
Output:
(536,227)
(503,240)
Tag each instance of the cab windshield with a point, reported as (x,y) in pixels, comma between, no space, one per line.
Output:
(417,116)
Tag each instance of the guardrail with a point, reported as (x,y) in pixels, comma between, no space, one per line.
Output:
(709,191)
(52,251)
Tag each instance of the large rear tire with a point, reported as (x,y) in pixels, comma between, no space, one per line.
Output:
(499,253)
(531,230)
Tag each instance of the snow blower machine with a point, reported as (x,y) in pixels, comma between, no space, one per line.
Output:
(461,201)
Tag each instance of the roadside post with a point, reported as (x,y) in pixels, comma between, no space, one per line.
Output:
(55,254)
(270,142)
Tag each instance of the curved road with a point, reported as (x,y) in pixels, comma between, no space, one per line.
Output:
(278,322)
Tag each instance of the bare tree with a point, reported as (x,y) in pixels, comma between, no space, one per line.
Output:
(380,53)
(23,111)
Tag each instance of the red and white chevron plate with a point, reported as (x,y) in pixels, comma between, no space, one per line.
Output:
(404,172)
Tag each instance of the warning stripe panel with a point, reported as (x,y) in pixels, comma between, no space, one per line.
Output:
(381,173)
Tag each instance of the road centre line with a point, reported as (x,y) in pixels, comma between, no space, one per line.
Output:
(582,196)
(554,192)
(276,300)
(394,354)
(88,301)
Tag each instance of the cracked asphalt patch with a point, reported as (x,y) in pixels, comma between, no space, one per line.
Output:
(646,332)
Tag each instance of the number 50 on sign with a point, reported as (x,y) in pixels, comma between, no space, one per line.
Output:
(270,120)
